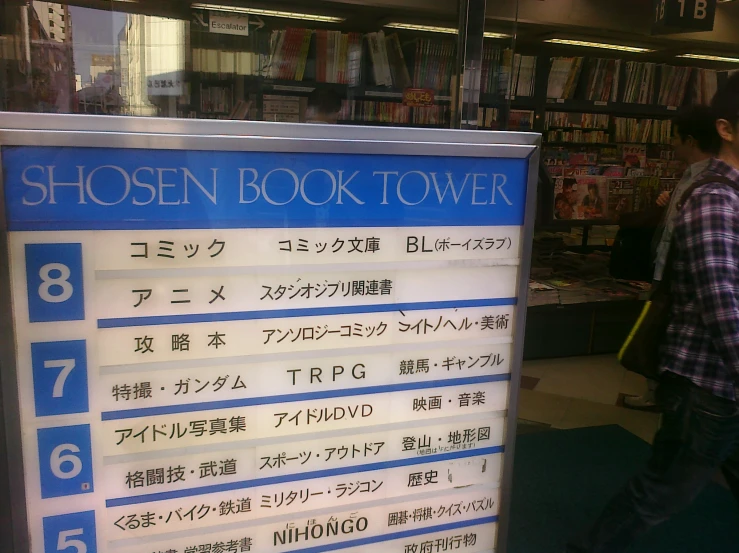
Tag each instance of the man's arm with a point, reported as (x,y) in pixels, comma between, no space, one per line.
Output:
(712,254)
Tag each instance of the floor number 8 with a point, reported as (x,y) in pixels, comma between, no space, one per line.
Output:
(62,281)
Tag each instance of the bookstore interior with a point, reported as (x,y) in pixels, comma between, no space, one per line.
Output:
(601,80)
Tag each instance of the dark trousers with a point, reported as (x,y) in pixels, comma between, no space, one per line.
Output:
(699,434)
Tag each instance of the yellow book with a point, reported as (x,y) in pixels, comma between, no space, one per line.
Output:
(303,56)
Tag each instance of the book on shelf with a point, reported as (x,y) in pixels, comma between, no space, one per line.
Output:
(288,53)
(566,120)
(378,56)
(518,119)
(216,99)
(208,60)
(639,87)
(240,111)
(673,85)
(642,131)
(520,75)
(375,112)
(433,64)
(487,118)
(396,60)
(603,79)
(336,57)
(578,136)
(430,115)
(705,84)
(564,76)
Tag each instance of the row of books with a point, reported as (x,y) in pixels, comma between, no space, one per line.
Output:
(603,79)
(518,119)
(504,73)
(639,83)
(216,99)
(563,78)
(434,64)
(388,62)
(705,85)
(522,77)
(375,112)
(654,131)
(338,57)
(241,110)
(673,84)
(208,60)
(568,120)
(578,136)
(431,115)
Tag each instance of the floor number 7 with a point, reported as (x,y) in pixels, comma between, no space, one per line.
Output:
(66,366)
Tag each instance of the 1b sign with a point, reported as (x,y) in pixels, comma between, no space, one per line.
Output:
(680,16)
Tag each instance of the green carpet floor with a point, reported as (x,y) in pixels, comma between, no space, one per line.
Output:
(563,478)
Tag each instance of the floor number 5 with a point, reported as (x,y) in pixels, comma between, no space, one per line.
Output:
(70,533)
(65,542)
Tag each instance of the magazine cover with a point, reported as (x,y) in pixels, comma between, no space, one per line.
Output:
(634,155)
(620,197)
(580,198)
(647,190)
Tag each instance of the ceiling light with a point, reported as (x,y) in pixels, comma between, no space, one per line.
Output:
(487,34)
(709,58)
(598,45)
(269,13)
(429,28)
(435,29)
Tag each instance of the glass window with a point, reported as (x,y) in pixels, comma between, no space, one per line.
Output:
(389,63)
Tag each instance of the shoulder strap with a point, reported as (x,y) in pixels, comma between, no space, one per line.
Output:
(665,283)
(709,179)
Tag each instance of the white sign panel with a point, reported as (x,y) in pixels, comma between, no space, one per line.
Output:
(229,24)
(231,352)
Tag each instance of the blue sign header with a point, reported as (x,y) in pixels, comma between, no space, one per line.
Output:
(60,188)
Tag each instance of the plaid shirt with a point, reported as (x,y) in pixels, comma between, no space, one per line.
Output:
(702,340)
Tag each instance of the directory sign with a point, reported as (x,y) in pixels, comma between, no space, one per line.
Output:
(264,348)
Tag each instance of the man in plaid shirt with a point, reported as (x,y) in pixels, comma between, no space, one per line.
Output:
(699,386)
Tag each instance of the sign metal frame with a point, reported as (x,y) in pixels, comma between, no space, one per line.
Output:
(21,129)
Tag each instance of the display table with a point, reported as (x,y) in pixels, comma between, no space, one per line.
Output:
(579,321)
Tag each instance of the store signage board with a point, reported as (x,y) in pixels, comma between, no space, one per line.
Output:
(418,97)
(295,341)
(683,16)
(229,24)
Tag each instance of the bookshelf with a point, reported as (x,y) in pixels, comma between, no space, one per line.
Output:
(369,70)
(606,123)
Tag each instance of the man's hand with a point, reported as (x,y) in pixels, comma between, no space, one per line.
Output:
(663,199)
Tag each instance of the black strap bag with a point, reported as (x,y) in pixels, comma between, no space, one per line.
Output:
(641,350)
